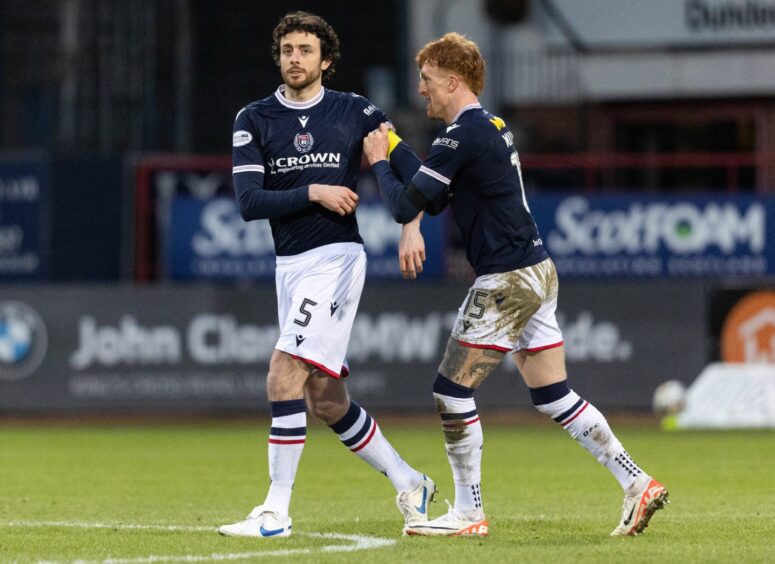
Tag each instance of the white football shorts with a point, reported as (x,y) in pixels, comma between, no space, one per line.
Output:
(317,297)
(511,311)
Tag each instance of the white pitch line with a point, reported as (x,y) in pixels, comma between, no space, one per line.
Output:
(359,542)
(186,557)
(123,526)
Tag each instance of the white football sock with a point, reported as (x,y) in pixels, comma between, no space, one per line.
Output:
(359,432)
(286,442)
(590,429)
(464,441)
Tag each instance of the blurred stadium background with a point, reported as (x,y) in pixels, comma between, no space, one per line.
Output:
(129,284)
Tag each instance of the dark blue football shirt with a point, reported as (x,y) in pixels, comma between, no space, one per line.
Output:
(280,147)
(474,167)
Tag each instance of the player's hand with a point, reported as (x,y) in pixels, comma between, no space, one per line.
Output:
(376,144)
(338,199)
(411,249)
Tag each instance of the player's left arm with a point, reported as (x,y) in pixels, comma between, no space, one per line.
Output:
(405,163)
(426,191)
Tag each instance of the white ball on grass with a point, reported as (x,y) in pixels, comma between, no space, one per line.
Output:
(669,397)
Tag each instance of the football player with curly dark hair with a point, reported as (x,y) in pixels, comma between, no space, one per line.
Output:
(297,157)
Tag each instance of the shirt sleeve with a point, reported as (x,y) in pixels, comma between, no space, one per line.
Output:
(447,156)
(372,114)
(248,174)
(428,189)
(404,161)
(394,193)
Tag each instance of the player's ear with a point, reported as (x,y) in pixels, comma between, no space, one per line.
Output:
(325,64)
(453,83)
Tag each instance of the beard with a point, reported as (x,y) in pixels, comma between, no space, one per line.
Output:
(300,82)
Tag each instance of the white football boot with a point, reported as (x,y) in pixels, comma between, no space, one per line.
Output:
(259,524)
(453,524)
(414,503)
(638,509)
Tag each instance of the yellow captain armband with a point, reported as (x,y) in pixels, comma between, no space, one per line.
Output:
(393,141)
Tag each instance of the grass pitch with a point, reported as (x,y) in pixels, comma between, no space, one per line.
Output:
(142,494)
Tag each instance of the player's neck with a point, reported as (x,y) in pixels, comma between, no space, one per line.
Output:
(457,106)
(302,94)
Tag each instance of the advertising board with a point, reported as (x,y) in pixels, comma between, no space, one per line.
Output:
(188,227)
(208,240)
(658,236)
(22,219)
(207,348)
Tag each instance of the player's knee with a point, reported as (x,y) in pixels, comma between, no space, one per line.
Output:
(285,379)
(443,388)
(318,408)
(328,410)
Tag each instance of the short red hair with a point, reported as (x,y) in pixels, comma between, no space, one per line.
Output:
(456,53)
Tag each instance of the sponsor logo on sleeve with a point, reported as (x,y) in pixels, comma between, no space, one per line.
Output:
(446,142)
(241,138)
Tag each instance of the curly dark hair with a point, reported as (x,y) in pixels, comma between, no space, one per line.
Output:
(317,26)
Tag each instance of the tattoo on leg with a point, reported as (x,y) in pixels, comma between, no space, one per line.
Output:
(479,371)
(454,360)
(492,353)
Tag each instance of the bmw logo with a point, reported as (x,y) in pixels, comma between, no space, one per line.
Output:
(23,340)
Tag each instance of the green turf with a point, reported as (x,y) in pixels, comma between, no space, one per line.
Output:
(547,500)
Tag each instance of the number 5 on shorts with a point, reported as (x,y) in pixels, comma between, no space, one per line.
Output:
(307,314)
(474,307)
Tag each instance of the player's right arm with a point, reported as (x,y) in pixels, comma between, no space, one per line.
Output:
(339,199)
(411,249)
(255,202)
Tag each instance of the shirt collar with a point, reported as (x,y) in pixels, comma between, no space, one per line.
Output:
(280,95)
(465,109)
